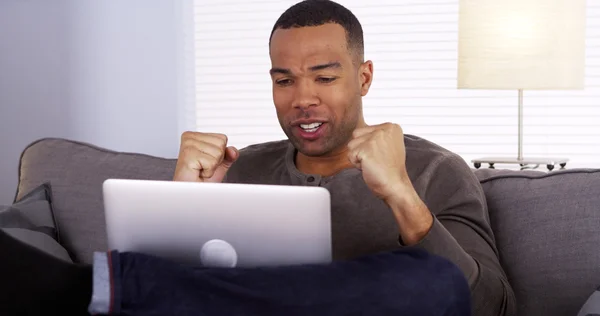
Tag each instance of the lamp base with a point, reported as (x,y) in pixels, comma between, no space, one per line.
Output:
(524,163)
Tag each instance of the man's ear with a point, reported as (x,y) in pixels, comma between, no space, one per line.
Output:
(365,72)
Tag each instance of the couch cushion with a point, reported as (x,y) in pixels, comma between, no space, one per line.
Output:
(546,227)
(592,305)
(31,220)
(76,172)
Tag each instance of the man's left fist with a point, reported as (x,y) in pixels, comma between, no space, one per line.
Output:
(379,152)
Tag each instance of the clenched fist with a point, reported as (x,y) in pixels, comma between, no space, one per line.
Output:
(204,157)
(379,152)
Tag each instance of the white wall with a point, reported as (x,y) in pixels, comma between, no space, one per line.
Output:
(102,71)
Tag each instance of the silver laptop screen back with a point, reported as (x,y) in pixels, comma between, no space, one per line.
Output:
(264,225)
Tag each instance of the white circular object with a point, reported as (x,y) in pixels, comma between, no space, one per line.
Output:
(218,253)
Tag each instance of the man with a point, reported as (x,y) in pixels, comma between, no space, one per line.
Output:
(410,230)
(389,190)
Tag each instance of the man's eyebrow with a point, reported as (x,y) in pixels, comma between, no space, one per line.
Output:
(277,70)
(334,64)
(312,68)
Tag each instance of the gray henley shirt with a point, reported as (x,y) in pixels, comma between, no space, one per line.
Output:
(363,224)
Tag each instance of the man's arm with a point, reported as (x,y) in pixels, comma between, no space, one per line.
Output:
(448,216)
(460,231)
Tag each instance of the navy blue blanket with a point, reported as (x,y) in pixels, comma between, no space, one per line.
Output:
(404,282)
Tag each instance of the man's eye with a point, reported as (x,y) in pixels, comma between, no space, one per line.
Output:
(283,82)
(325,80)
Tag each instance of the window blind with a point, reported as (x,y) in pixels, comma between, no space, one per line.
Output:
(414,47)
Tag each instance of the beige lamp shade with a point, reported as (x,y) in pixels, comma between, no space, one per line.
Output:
(521,44)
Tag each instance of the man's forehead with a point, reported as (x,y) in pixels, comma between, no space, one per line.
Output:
(311,39)
(308,46)
(307,56)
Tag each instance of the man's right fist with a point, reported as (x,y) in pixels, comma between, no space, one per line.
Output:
(204,157)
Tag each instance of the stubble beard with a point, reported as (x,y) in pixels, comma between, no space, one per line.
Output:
(336,139)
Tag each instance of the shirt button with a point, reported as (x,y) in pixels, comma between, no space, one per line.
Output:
(311,179)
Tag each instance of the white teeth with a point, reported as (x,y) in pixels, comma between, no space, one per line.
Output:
(310,127)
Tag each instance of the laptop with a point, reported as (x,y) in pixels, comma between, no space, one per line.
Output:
(219,224)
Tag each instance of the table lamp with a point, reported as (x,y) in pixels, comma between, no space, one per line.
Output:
(521,45)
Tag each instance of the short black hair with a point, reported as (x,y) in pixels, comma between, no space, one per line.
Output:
(320,12)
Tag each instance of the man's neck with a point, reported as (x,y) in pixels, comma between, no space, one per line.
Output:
(324,166)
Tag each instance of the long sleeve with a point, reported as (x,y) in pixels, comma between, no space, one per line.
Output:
(462,233)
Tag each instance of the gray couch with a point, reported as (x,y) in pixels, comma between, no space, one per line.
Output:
(546,224)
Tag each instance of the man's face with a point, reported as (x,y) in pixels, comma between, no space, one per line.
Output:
(317,88)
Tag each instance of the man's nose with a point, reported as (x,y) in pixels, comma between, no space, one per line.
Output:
(305,95)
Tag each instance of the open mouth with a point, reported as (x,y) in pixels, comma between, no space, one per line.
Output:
(310,128)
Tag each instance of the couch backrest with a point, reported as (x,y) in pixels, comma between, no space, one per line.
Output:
(76,172)
(547,230)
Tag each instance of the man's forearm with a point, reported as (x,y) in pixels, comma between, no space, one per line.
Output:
(413,217)
(418,227)
(491,292)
